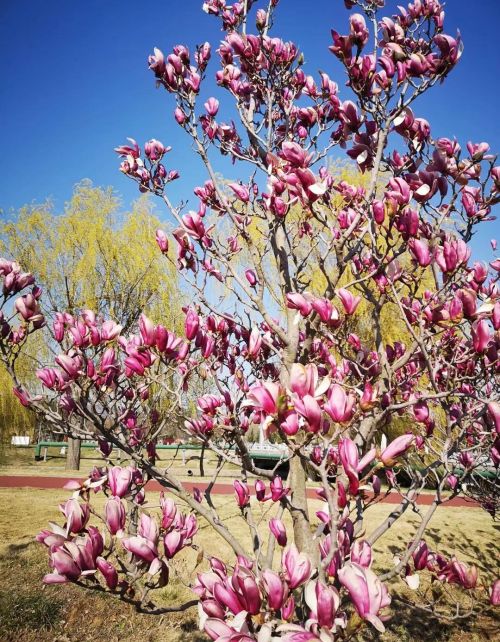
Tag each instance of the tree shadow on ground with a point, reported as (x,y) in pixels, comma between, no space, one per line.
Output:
(413,625)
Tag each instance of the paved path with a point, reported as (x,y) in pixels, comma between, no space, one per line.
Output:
(28,481)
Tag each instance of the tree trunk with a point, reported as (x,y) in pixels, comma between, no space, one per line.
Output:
(73,454)
(299,511)
(297,476)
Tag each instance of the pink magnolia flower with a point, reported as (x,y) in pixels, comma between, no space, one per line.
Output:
(245,586)
(370,397)
(361,553)
(310,409)
(217,629)
(421,556)
(457,572)
(420,251)
(75,558)
(421,411)
(119,480)
(65,566)
(51,378)
(340,406)
(109,572)
(275,588)
(359,32)
(53,538)
(251,277)
(495,593)
(254,343)
(114,514)
(349,457)
(28,307)
(326,311)
(173,542)
(147,330)
(278,529)
(191,324)
(396,448)
(349,301)
(304,380)
(241,191)
(77,515)
(290,424)
(324,602)
(493,410)
(367,592)
(296,301)
(242,493)
(227,597)
(148,528)
(295,154)
(466,459)
(70,365)
(265,397)
(24,398)
(212,106)
(288,609)
(260,491)
(378,209)
(367,459)
(296,567)
(162,241)
(480,335)
(495,317)
(129,150)
(110,330)
(452,254)
(140,547)
(277,490)
(154,149)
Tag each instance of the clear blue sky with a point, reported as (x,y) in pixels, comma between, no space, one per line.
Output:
(74,84)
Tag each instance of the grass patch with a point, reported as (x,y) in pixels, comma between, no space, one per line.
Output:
(21,461)
(32,613)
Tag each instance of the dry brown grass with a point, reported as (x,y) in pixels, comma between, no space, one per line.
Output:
(21,461)
(29,612)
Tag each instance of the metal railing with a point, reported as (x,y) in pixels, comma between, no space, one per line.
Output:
(257,452)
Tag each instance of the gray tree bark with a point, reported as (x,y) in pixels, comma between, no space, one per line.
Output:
(73,454)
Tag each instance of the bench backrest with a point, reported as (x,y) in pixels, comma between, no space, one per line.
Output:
(20,440)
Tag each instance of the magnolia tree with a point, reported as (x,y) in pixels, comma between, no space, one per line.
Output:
(295,252)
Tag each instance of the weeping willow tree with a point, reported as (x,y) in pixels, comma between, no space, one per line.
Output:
(14,418)
(92,255)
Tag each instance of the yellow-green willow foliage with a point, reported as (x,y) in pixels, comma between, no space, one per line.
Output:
(14,418)
(94,256)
